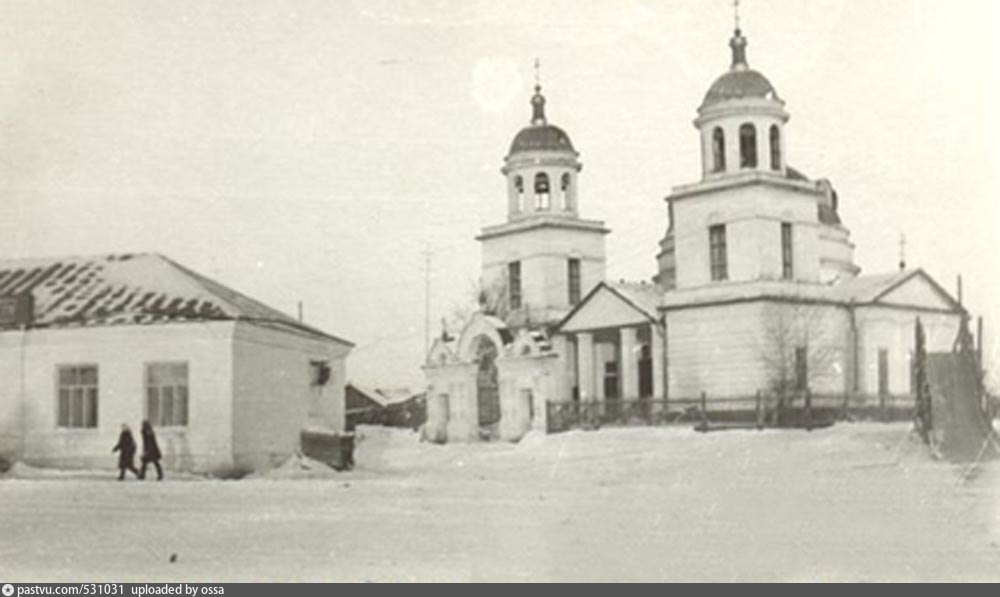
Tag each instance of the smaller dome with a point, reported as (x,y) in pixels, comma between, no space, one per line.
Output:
(541,137)
(739,84)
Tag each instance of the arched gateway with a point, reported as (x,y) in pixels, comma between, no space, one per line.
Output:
(487,385)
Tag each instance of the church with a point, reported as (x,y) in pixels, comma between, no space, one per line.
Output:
(755,290)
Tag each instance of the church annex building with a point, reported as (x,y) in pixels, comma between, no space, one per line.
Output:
(756,288)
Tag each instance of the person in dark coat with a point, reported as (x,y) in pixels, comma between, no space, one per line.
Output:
(126,452)
(150,451)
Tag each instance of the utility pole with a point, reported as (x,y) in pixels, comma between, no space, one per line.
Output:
(427,299)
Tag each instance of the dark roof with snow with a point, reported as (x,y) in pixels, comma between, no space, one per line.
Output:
(739,84)
(544,137)
(130,289)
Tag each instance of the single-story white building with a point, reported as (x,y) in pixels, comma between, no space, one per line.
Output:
(87,344)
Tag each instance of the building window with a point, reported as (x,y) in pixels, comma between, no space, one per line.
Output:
(514,284)
(77,396)
(801,369)
(717,251)
(775,147)
(167,394)
(787,265)
(519,189)
(543,199)
(883,372)
(573,278)
(567,200)
(319,373)
(718,150)
(748,146)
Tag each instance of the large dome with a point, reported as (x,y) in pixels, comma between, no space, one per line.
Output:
(541,137)
(739,84)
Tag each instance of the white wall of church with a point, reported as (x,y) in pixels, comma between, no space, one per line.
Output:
(543,254)
(724,350)
(753,216)
(893,330)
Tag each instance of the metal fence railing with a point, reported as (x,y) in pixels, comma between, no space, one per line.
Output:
(761,410)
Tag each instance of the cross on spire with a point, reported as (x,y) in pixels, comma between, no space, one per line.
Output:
(736,13)
(902,251)
(538,100)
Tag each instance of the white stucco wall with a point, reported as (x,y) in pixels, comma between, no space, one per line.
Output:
(273,395)
(753,215)
(120,353)
(893,329)
(723,349)
(543,253)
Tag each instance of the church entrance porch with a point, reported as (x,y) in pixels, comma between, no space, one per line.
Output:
(615,373)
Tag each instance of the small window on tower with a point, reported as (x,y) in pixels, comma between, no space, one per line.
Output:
(567,199)
(543,199)
(573,279)
(787,263)
(519,189)
(718,150)
(717,252)
(514,284)
(775,147)
(748,146)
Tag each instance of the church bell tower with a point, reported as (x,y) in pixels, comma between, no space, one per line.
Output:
(545,257)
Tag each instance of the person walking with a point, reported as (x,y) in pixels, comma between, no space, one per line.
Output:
(126,452)
(150,451)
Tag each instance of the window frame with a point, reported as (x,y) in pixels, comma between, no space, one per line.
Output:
(519,192)
(158,419)
(718,142)
(774,138)
(574,285)
(543,198)
(718,258)
(787,251)
(565,181)
(748,146)
(95,410)
(801,369)
(515,296)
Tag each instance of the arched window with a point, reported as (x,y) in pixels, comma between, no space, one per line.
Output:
(748,146)
(567,199)
(718,150)
(519,189)
(542,198)
(775,147)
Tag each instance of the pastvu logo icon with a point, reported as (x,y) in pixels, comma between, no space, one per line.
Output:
(8,590)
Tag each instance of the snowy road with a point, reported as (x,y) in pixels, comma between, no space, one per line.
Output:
(855,502)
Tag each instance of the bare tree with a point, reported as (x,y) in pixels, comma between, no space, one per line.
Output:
(489,297)
(796,349)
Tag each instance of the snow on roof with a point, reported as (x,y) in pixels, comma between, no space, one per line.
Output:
(130,289)
(383,397)
(643,296)
(865,289)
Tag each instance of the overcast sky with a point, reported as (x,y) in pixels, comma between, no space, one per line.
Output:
(311,150)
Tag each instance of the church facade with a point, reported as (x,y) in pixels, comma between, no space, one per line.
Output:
(756,288)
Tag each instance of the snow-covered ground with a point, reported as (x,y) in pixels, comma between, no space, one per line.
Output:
(853,502)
